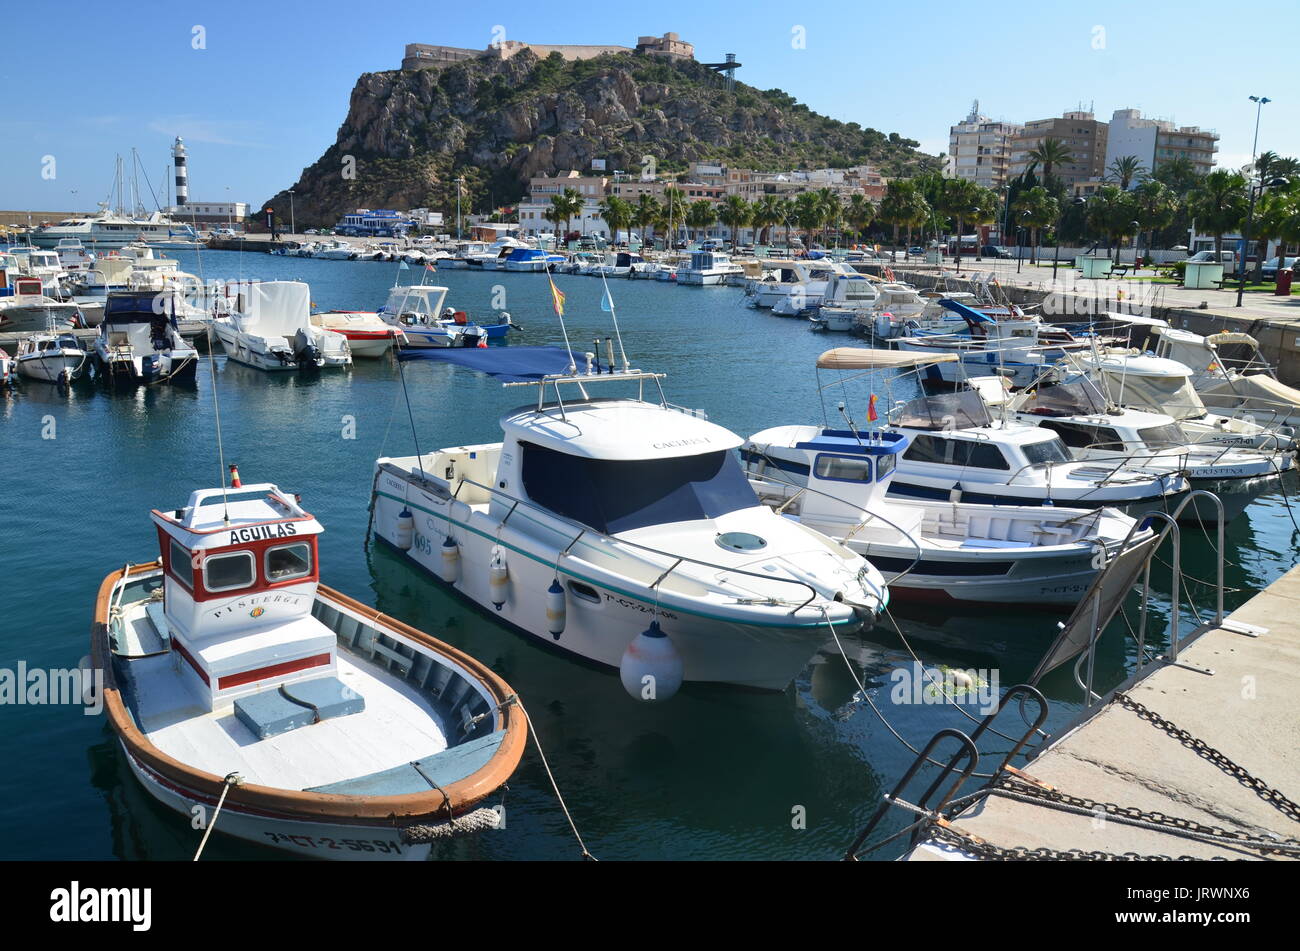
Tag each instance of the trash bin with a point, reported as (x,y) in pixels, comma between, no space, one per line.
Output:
(1203,275)
(1283,288)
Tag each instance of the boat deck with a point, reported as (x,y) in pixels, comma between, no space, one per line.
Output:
(397,727)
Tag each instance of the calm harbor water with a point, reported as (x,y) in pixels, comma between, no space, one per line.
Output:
(714,773)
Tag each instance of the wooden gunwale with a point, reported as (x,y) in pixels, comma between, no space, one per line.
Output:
(463,794)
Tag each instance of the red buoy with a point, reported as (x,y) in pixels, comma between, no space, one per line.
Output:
(234,477)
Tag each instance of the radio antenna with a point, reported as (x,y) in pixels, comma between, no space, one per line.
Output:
(608,299)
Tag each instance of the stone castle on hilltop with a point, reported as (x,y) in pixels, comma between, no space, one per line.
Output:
(425,56)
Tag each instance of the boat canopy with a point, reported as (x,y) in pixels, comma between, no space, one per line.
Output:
(1063,399)
(509,364)
(277,309)
(865,358)
(138,307)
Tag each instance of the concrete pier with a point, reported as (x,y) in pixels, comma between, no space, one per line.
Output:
(1248,709)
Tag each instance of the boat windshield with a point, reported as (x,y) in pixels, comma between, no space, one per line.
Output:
(961,410)
(619,496)
(1065,399)
(1049,451)
(1164,436)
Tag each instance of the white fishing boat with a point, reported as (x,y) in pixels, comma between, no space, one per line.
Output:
(24,305)
(796,285)
(288,714)
(335,251)
(623,530)
(1096,430)
(835,481)
(368,334)
(707,268)
(270,328)
(417,311)
(139,342)
(53,358)
(620,264)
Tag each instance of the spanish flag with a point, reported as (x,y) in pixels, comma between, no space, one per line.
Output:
(557,296)
(872,415)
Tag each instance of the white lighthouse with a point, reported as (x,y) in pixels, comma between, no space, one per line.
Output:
(182,173)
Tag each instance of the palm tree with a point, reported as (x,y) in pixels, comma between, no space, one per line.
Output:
(960,200)
(617,213)
(767,213)
(1155,206)
(567,205)
(904,206)
(674,212)
(807,214)
(1219,204)
(859,213)
(1051,153)
(735,213)
(1272,210)
(1037,209)
(700,214)
(1179,174)
(645,213)
(1112,212)
(1126,170)
(832,210)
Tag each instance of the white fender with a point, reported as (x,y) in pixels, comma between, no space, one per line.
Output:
(556,610)
(450,560)
(498,579)
(404,534)
(651,668)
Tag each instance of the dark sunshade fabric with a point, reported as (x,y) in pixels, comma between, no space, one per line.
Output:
(513,364)
(619,496)
(960,410)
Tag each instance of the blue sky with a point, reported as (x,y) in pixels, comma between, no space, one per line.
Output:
(267,94)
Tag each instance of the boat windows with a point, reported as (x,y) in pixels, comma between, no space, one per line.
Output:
(618,496)
(1049,451)
(956,452)
(228,572)
(1163,437)
(946,411)
(885,465)
(843,468)
(1080,436)
(178,560)
(288,561)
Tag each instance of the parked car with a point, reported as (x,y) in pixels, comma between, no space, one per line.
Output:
(1269,269)
(993,251)
(916,252)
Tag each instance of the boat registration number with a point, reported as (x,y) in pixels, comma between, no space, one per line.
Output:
(348,845)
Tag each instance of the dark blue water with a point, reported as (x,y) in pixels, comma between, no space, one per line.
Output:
(714,773)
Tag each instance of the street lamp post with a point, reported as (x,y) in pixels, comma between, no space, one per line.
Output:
(293,226)
(1259,102)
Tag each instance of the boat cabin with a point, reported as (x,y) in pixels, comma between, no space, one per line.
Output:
(1079,415)
(417,304)
(240,575)
(848,472)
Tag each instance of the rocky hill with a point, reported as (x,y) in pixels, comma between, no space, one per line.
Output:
(410,133)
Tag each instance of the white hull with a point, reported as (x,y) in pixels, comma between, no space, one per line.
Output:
(318,840)
(51,366)
(714,648)
(36,317)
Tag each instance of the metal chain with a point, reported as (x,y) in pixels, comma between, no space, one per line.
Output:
(1134,816)
(980,848)
(1273,797)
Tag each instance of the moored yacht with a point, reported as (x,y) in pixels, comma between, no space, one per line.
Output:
(54,358)
(707,268)
(623,530)
(835,481)
(139,342)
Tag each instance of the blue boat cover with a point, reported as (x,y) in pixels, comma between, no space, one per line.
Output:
(969,313)
(512,364)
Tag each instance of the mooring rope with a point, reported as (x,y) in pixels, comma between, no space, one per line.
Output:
(551,776)
(232,779)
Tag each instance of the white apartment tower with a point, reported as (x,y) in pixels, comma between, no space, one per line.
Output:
(979,149)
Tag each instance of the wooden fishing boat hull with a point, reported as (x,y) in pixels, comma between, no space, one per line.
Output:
(326,825)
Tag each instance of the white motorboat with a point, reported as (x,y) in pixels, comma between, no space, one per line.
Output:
(1096,430)
(8,375)
(835,481)
(270,328)
(417,311)
(620,264)
(532,260)
(25,306)
(707,268)
(368,334)
(1158,385)
(796,285)
(54,358)
(494,256)
(322,727)
(623,530)
(139,342)
(335,251)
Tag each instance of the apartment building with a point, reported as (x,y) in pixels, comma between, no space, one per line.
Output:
(1079,132)
(1158,141)
(542,188)
(979,149)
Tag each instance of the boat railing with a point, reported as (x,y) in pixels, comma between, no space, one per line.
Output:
(677,560)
